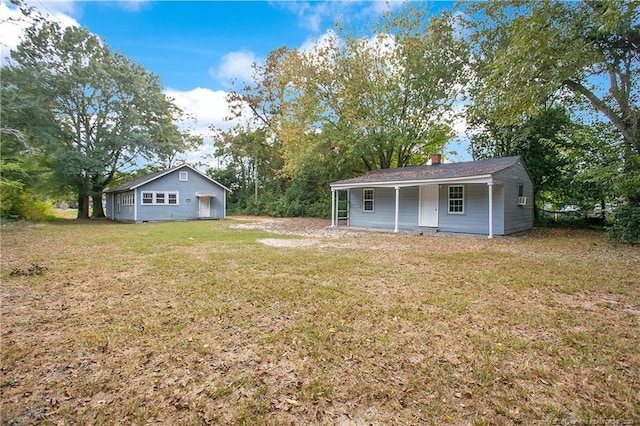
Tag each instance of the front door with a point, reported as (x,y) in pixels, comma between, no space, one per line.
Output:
(428,206)
(204,207)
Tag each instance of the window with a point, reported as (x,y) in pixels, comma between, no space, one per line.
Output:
(522,200)
(128,198)
(160,198)
(184,176)
(456,199)
(367,200)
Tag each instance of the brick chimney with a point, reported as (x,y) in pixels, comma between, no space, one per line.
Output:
(435,159)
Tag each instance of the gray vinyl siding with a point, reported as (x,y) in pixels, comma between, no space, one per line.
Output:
(116,210)
(384,212)
(188,204)
(516,218)
(475,219)
(508,216)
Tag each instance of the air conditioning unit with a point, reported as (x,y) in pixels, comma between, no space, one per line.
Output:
(522,201)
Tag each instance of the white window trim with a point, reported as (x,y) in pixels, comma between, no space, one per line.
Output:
(183,177)
(128,198)
(154,198)
(522,199)
(372,199)
(449,199)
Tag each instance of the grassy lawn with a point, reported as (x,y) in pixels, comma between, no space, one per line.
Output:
(200,323)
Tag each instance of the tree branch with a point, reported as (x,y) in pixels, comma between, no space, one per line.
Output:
(600,105)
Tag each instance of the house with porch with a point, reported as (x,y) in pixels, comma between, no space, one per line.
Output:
(491,197)
(179,193)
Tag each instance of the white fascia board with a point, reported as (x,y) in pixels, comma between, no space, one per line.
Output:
(404,184)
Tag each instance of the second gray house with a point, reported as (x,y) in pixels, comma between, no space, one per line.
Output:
(180,193)
(492,197)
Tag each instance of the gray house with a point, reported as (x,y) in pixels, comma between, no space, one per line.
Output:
(180,193)
(492,197)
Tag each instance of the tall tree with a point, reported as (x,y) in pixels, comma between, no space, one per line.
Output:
(356,102)
(107,109)
(255,161)
(544,141)
(529,54)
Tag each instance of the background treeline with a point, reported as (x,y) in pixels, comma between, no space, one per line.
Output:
(555,82)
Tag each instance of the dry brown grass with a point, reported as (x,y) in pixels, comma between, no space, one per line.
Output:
(200,323)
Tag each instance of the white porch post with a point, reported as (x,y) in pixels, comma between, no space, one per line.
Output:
(490,185)
(333,208)
(348,207)
(395,229)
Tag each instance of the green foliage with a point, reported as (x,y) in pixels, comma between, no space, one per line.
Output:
(626,224)
(355,103)
(583,54)
(544,142)
(91,110)
(530,57)
(10,191)
(17,204)
(22,176)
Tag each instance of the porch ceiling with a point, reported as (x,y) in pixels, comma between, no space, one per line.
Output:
(407,183)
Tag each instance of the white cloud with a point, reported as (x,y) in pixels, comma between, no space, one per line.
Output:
(313,15)
(12,26)
(208,108)
(314,44)
(235,67)
(380,7)
(310,15)
(132,5)
(13,23)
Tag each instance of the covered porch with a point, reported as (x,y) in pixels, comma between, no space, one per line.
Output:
(416,204)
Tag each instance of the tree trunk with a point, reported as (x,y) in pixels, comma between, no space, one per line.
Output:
(98,210)
(83,205)
(255,183)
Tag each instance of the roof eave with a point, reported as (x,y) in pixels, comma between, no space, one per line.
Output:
(131,188)
(486,178)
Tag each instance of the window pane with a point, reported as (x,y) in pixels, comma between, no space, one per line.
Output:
(147,198)
(173,198)
(456,199)
(367,196)
(160,198)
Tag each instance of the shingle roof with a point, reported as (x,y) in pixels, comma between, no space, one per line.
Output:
(436,171)
(141,180)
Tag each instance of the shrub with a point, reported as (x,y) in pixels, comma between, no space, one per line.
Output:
(626,224)
(25,206)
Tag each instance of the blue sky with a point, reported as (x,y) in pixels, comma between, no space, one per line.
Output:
(199,48)
(189,43)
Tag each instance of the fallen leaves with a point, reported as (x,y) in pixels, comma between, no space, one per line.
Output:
(30,271)
(427,330)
